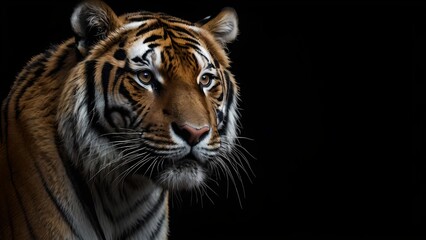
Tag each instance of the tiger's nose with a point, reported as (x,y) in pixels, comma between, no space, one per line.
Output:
(190,134)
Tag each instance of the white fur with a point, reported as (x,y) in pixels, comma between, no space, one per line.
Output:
(112,229)
(132,25)
(75,20)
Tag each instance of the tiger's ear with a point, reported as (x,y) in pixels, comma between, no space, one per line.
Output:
(91,22)
(224,26)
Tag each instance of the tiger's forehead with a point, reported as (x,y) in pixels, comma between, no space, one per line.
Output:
(146,15)
(160,39)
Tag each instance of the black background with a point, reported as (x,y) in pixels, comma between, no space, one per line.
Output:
(333,96)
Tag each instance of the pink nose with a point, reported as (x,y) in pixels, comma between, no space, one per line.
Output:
(191,134)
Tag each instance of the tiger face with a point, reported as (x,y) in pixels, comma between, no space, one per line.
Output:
(153,97)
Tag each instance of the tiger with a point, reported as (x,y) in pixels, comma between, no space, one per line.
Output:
(99,130)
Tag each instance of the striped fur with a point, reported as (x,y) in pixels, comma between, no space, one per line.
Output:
(98,130)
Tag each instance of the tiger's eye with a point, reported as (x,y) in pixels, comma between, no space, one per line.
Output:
(206,80)
(145,76)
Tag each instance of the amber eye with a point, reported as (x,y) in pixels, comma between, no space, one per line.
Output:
(145,76)
(206,79)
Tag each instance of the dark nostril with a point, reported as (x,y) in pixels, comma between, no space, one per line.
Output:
(190,134)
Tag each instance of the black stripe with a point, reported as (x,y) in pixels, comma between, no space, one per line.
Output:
(220,98)
(90,86)
(216,63)
(174,19)
(106,71)
(194,47)
(123,195)
(113,41)
(157,230)
(204,56)
(192,40)
(153,45)
(81,190)
(19,197)
(122,43)
(162,56)
(141,118)
(165,34)
(41,58)
(123,91)
(140,223)
(229,86)
(120,54)
(110,194)
(12,228)
(4,125)
(152,38)
(137,59)
(132,208)
(146,54)
(106,210)
(193,59)
(30,82)
(126,213)
(148,29)
(219,116)
(53,110)
(60,60)
(90,69)
(209,66)
(183,30)
(122,111)
(76,145)
(139,19)
(170,66)
(57,203)
(229,101)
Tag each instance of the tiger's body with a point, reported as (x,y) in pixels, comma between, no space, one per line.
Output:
(97,131)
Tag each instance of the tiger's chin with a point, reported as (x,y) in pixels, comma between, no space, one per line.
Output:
(182,174)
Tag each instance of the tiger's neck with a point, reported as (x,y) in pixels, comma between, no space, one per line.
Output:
(136,209)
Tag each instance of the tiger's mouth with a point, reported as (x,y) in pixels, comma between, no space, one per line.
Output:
(188,161)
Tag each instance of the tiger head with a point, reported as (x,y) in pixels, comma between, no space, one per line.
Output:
(152,97)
